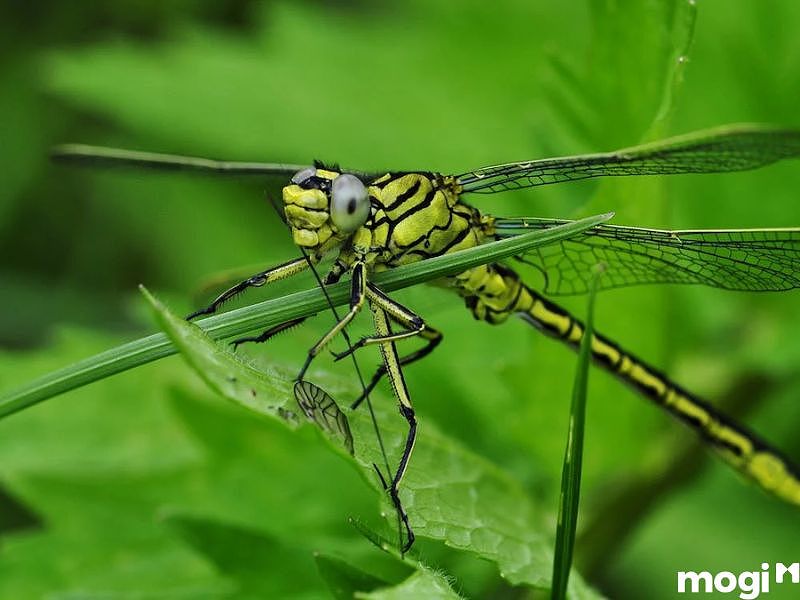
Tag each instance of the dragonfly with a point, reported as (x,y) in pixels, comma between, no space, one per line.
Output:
(370,222)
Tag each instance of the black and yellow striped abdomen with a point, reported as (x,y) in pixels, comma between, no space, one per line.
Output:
(420,215)
(745,451)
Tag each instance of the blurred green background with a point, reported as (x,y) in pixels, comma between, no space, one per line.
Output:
(146,485)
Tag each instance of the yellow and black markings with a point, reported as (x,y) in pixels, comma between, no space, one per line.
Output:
(374,222)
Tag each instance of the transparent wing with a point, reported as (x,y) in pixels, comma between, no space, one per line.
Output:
(99,156)
(110,157)
(743,259)
(319,407)
(732,148)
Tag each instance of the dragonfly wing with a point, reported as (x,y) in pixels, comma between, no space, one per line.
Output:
(112,157)
(321,408)
(99,156)
(732,148)
(743,259)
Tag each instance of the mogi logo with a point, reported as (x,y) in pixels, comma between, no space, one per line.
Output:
(749,584)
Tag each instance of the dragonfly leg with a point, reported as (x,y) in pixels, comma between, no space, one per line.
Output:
(268,334)
(293,267)
(393,369)
(432,336)
(414,324)
(358,287)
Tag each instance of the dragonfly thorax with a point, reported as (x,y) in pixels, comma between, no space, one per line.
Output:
(420,215)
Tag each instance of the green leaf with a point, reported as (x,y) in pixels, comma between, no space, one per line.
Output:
(422,584)
(573,459)
(265,392)
(450,493)
(99,541)
(248,558)
(272,312)
(343,579)
(222,80)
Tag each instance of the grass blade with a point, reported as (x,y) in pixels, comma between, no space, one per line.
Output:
(573,459)
(272,312)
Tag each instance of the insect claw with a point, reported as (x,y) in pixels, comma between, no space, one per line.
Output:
(410,537)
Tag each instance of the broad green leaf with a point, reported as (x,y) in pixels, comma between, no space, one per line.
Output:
(226,373)
(99,430)
(249,559)
(343,579)
(97,542)
(451,494)
(245,476)
(422,584)
(125,439)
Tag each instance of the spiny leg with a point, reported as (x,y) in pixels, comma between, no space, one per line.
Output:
(288,269)
(268,334)
(358,295)
(432,336)
(334,275)
(392,365)
(383,308)
(358,287)
(414,325)
(412,322)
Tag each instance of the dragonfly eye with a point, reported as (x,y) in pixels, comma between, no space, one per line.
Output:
(301,176)
(349,203)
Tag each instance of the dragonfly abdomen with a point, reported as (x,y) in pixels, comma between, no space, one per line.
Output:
(742,449)
(494,292)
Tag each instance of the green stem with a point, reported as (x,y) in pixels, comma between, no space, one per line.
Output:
(272,312)
(573,460)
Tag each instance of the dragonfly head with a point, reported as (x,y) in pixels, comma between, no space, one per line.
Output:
(324,207)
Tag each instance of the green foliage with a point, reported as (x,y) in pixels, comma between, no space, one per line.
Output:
(148,484)
(345,580)
(269,314)
(456,497)
(573,458)
(423,584)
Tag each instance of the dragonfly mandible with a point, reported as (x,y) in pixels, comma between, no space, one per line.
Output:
(376,221)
